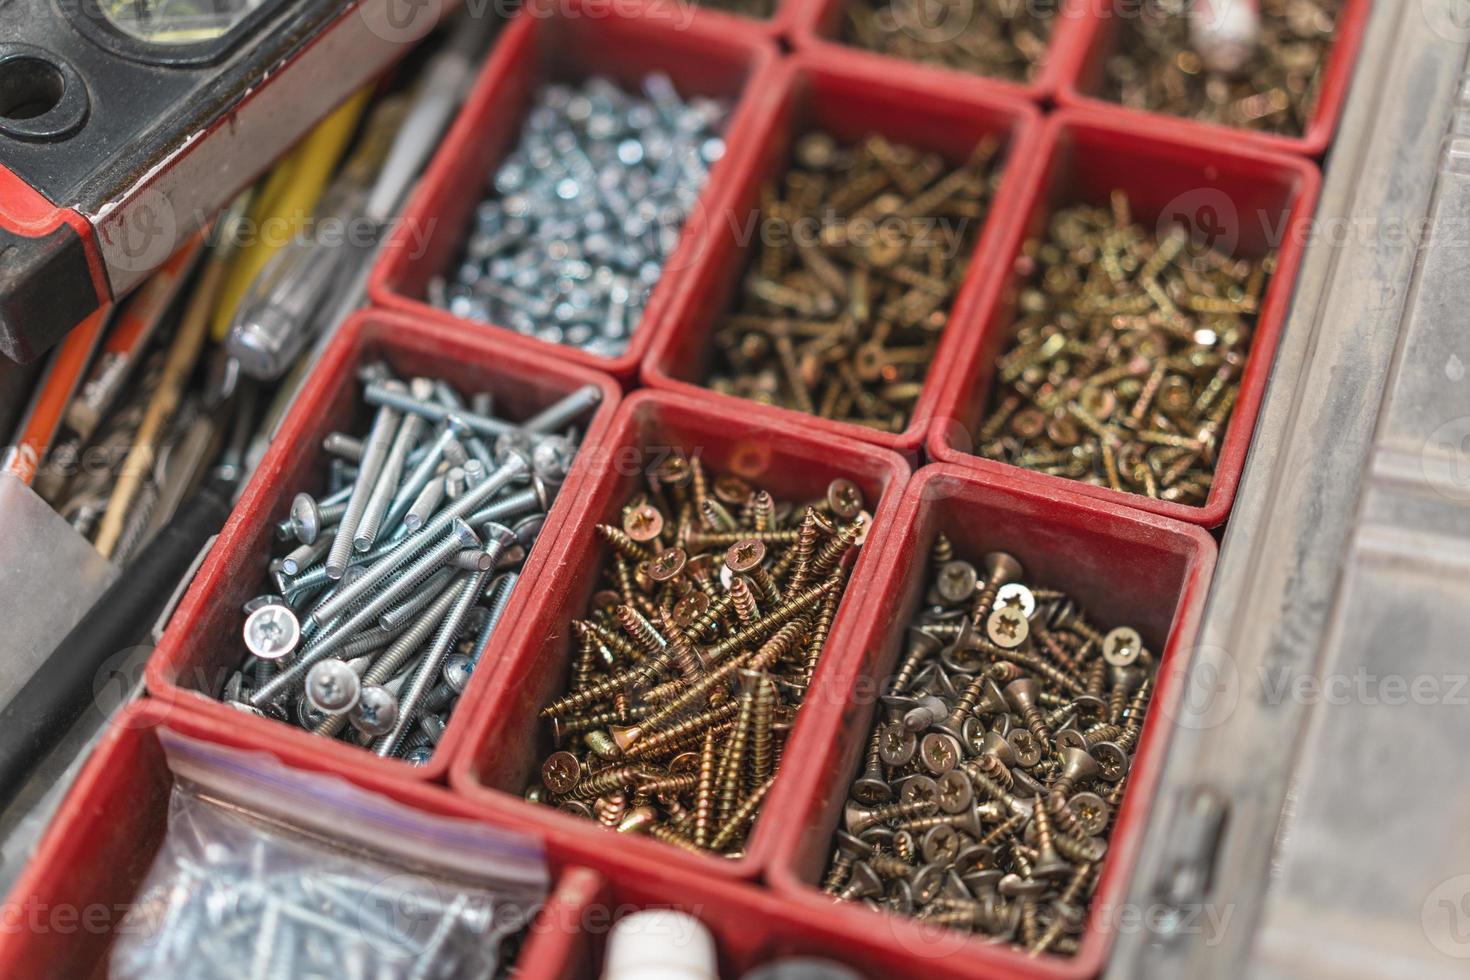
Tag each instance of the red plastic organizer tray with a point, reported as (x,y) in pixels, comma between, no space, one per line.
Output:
(818,27)
(851,99)
(503,754)
(571,43)
(64,912)
(1261,199)
(203,642)
(1098,32)
(1122,566)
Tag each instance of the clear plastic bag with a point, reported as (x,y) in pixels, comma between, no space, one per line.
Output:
(268,872)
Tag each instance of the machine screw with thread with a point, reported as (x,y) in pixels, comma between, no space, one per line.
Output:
(399,612)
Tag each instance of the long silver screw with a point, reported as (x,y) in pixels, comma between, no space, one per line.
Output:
(557,416)
(515,466)
(374,453)
(432,663)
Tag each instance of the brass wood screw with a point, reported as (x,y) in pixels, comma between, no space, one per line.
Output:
(858,259)
(1127,354)
(693,659)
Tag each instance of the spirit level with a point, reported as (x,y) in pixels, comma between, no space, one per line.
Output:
(126,124)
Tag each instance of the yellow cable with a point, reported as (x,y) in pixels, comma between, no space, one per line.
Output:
(286,202)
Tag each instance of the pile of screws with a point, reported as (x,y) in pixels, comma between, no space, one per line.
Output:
(1001,753)
(232,897)
(1127,356)
(585,212)
(859,259)
(758,9)
(1275,90)
(998,40)
(374,622)
(697,655)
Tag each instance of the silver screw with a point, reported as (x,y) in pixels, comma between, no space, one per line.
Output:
(271,632)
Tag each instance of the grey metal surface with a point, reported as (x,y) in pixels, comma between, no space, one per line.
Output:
(49,576)
(1324,705)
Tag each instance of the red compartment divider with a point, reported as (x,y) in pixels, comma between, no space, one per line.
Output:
(1098,23)
(750,926)
(1121,565)
(503,754)
(1264,200)
(571,40)
(852,99)
(817,28)
(203,642)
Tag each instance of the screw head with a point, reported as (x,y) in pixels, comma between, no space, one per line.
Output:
(743,556)
(1025,747)
(306,518)
(919,789)
(956,793)
(1007,628)
(376,711)
(1111,759)
(332,687)
(668,564)
(1014,595)
(643,523)
(844,498)
(1122,646)
(940,845)
(897,745)
(690,608)
(939,752)
(272,631)
(956,581)
(456,672)
(561,772)
(1091,812)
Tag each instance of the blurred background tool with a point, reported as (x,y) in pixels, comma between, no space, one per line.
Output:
(143,118)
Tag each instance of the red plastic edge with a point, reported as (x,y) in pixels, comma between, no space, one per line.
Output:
(703,58)
(1139,567)
(500,757)
(200,646)
(1273,197)
(1088,45)
(854,98)
(64,911)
